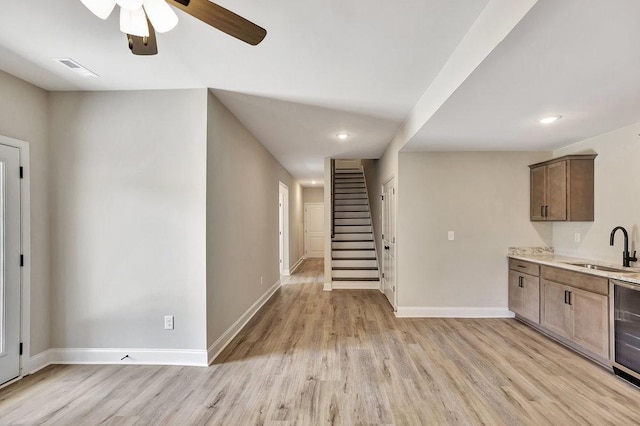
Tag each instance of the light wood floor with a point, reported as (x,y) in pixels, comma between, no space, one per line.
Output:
(312,357)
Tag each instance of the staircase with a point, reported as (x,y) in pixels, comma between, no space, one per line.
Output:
(353,253)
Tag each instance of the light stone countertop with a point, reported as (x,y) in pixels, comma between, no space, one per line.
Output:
(558,261)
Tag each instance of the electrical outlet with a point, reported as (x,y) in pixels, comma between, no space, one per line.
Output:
(451,235)
(576,237)
(261,280)
(168,322)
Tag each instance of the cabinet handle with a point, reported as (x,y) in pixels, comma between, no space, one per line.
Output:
(546,211)
(569,297)
(520,281)
(542,211)
(565,296)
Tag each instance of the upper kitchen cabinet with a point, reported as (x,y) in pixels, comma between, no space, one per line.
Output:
(562,189)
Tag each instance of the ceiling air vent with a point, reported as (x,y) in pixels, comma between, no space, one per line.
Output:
(75,67)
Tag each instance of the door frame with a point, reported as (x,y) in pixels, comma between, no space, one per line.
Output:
(283,190)
(395,250)
(25,242)
(304,228)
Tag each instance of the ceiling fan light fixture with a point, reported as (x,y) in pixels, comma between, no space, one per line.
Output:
(129,4)
(549,120)
(162,17)
(101,8)
(134,22)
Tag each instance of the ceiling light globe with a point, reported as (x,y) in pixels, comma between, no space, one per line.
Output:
(549,120)
(342,136)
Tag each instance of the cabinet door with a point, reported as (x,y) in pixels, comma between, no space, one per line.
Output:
(515,293)
(538,188)
(556,191)
(591,321)
(531,298)
(556,314)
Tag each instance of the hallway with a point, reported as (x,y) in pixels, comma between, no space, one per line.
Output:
(311,357)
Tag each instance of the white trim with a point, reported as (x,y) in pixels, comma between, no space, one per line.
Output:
(327,287)
(355,285)
(226,338)
(102,356)
(288,272)
(37,362)
(452,312)
(25,224)
(284,190)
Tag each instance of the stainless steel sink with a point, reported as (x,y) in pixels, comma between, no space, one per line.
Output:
(602,268)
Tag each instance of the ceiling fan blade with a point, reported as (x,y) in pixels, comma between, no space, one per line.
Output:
(144,45)
(222,19)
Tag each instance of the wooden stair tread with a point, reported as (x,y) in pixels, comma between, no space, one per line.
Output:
(356,279)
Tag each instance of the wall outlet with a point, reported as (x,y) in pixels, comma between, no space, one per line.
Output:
(261,280)
(576,237)
(451,235)
(168,322)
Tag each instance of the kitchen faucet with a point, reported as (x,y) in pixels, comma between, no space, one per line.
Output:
(625,254)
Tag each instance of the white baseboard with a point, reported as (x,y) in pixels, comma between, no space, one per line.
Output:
(327,287)
(37,362)
(137,356)
(355,285)
(226,338)
(462,312)
(290,271)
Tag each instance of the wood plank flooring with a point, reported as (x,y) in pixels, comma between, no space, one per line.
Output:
(311,357)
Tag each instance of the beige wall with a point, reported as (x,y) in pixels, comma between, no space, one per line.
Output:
(374,190)
(24,116)
(242,219)
(313,195)
(128,194)
(484,198)
(617,179)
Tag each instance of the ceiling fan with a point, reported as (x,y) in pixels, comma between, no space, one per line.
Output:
(141,19)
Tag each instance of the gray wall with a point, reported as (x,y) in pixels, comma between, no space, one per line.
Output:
(242,219)
(128,196)
(617,173)
(313,195)
(24,116)
(484,198)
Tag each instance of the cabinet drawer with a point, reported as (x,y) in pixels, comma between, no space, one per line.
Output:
(524,267)
(576,279)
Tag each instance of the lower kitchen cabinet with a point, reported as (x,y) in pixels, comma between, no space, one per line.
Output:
(524,295)
(578,315)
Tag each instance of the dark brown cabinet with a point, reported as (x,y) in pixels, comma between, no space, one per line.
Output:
(562,189)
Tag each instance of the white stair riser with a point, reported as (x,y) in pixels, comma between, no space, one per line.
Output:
(352,208)
(352,237)
(357,273)
(351,202)
(352,215)
(341,254)
(348,228)
(350,180)
(352,245)
(350,196)
(343,222)
(341,171)
(354,263)
(349,175)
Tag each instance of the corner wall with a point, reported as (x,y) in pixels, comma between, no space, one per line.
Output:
(617,177)
(242,224)
(484,198)
(24,115)
(128,196)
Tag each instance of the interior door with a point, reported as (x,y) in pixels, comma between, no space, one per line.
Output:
(281,231)
(9,263)
(389,241)
(314,229)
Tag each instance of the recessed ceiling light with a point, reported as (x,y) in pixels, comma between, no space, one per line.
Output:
(313,182)
(342,136)
(549,120)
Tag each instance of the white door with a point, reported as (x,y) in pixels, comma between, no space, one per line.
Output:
(314,229)
(389,240)
(9,263)
(281,230)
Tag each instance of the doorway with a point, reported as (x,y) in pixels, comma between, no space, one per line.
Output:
(389,241)
(283,228)
(314,230)
(10,263)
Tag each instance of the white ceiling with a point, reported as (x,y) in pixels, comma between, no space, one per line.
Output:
(575,58)
(353,65)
